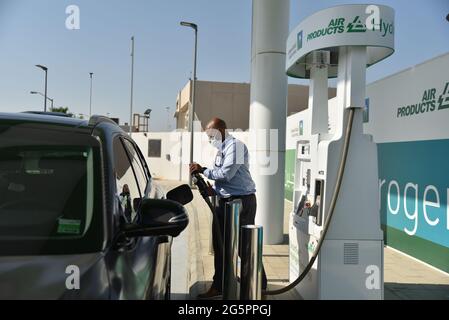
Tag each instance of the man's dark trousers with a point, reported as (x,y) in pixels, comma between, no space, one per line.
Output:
(247,217)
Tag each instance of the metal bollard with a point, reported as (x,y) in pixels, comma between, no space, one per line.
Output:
(251,270)
(214,201)
(230,250)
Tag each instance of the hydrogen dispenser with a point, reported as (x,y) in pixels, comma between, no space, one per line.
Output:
(336,241)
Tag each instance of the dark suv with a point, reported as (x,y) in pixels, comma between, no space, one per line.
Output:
(80,217)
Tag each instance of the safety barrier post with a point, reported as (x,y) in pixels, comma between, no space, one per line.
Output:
(230,249)
(251,243)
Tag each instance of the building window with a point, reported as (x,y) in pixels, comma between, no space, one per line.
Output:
(154,148)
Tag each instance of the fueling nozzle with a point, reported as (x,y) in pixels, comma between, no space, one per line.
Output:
(304,206)
(204,187)
(315,208)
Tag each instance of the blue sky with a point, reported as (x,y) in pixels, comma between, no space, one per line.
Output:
(33,32)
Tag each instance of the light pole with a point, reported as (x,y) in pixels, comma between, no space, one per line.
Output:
(192,106)
(46,72)
(90,100)
(48,98)
(132,87)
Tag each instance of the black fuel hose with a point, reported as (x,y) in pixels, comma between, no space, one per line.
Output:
(203,188)
(340,174)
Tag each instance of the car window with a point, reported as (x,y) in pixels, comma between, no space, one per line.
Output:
(49,193)
(128,191)
(141,159)
(142,177)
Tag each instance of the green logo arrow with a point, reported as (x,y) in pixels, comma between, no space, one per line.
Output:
(356,25)
(443,100)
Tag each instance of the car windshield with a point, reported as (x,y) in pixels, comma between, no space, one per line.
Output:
(49,195)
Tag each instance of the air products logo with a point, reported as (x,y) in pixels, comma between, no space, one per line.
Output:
(355,25)
(443,100)
(431,101)
(336,25)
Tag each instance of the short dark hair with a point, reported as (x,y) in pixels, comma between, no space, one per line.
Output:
(221,124)
(217,123)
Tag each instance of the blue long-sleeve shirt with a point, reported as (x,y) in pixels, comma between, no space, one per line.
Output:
(231,170)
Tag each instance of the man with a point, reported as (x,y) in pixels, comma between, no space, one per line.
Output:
(232,181)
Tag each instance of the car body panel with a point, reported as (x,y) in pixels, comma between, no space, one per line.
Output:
(133,269)
(44,277)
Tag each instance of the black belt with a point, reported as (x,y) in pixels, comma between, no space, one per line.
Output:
(231,198)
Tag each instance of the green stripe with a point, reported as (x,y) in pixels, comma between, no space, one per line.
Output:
(432,253)
(289,173)
(288,194)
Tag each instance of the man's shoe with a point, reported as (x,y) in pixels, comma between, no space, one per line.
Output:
(211,293)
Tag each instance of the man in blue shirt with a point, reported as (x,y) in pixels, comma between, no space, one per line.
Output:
(232,181)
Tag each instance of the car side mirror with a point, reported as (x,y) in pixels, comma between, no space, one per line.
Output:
(182,194)
(158,217)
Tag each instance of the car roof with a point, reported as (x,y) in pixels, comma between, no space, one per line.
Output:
(96,122)
(43,119)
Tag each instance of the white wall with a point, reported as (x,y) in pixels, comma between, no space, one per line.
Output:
(176,145)
(162,168)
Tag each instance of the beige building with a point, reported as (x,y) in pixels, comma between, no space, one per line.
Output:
(230,102)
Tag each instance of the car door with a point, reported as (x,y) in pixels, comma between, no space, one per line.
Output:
(159,275)
(132,261)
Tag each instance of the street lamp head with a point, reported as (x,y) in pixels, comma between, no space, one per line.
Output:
(42,67)
(33,92)
(147,112)
(91,74)
(189,24)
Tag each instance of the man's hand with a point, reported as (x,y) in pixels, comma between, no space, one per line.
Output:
(195,167)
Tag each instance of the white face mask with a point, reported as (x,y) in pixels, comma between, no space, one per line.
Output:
(215,142)
(215,138)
